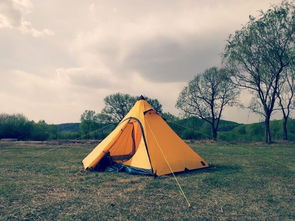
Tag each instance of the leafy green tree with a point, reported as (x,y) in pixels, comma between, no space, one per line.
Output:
(19,127)
(207,95)
(118,105)
(88,122)
(42,131)
(15,126)
(259,53)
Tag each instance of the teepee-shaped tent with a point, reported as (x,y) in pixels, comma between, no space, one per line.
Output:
(144,142)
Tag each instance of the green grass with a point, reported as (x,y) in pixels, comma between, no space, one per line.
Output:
(245,182)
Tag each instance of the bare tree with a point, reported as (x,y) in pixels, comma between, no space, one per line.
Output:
(286,101)
(207,95)
(260,52)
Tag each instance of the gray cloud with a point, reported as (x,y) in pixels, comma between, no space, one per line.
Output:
(165,59)
(12,16)
(86,77)
(55,63)
(33,54)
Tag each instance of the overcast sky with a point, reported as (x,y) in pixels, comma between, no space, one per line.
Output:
(61,57)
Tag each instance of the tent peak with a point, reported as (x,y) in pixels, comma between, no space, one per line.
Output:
(141,98)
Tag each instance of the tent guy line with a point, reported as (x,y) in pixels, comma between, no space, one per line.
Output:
(176,180)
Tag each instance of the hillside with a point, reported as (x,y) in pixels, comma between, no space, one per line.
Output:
(255,132)
(196,128)
(68,127)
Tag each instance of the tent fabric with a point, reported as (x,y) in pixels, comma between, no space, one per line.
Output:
(140,158)
(144,141)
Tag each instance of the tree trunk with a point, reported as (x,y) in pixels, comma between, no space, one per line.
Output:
(285,129)
(267,130)
(214,133)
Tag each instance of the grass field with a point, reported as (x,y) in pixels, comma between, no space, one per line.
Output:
(245,182)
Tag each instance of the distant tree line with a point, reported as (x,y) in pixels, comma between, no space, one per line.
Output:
(17,126)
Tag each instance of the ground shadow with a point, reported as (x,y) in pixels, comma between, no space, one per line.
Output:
(211,169)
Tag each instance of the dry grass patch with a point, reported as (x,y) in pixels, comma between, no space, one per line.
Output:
(47,182)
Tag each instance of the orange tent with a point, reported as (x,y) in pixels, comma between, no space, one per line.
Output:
(144,142)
